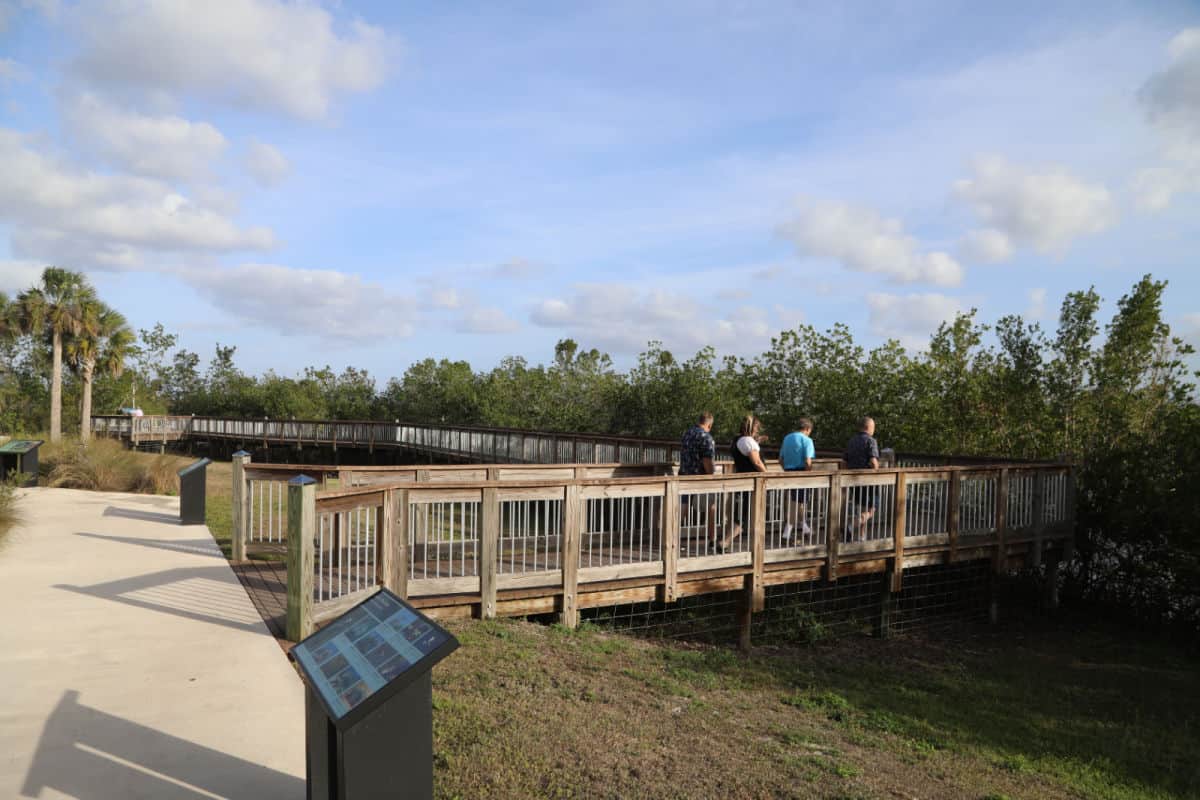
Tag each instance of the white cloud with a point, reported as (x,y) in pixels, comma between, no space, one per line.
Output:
(268,166)
(486,320)
(1155,187)
(623,319)
(445,298)
(1045,210)
(910,318)
(10,71)
(56,208)
(304,302)
(252,53)
(159,146)
(1171,100)
(17,276)
(986,246)
(734,295)
(770,273)
(861,240)
(1172,97)
(518,269)
(1037,304)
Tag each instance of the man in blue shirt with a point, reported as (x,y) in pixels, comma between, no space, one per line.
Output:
(796,453)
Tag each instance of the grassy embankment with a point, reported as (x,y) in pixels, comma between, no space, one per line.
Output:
(1031,710)
(1051,710)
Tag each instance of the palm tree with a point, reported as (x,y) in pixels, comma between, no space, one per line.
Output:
(55,307)
(104,341)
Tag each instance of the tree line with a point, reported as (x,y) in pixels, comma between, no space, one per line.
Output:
(1116,398)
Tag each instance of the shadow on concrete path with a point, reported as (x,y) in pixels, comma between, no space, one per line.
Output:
(201,547)
(208,594)
(148,516)
(87,753)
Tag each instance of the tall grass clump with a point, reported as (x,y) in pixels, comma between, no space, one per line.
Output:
(10,515)
(105,465)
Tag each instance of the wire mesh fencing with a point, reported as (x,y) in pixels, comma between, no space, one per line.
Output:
(931,598)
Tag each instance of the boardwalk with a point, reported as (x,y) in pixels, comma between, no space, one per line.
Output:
(137,667)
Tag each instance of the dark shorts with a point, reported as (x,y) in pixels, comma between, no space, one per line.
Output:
(865,497)
(799,496)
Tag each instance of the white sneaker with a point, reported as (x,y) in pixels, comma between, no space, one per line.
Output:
(807,532)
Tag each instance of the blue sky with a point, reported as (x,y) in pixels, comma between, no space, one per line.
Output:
(370,184)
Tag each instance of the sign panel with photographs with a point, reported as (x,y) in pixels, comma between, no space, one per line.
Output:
(358,660)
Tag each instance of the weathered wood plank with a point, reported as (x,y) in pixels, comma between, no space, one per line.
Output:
(671,521)
(758,545)
(489,543)
(302,522)
(836,522)
(899,520)
(1002,484)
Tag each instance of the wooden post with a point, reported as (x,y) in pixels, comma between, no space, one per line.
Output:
(952,513)
(899,525)
(1050,588)
(241,505)
(302,523)
(834,536)
(1038,523)
(383,538)
(1001,561)
(745,615)
(396,546)
(1069,525)
(887,603)
(489,542)
(670,542)
(572,527)
(758,544)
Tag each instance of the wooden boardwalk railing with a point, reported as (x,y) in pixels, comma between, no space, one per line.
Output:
(517,540)
(463,442)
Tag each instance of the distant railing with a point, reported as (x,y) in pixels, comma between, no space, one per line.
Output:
(466,442)
(519,540)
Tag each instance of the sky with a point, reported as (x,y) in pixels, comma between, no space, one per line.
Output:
(371,184)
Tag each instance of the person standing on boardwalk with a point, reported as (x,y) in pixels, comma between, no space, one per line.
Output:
(697,450)
(862,452)
(796,454)
(747,457)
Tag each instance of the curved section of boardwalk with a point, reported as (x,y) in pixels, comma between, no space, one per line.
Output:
(135,665)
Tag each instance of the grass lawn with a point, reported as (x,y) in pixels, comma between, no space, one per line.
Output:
(1021,710)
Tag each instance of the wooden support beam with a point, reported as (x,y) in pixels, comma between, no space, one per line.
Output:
(836,520)
(670,542)
(241,506)
(887,604)
(573,508)
(1002,483)
(899,520)
(758,544)
(489,543)
(1050,587)
(1038,522)
(953,502)
(302,524)
(396,576)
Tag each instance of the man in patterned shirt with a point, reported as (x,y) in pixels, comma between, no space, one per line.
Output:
(862,452)
(697,449)
(696,453)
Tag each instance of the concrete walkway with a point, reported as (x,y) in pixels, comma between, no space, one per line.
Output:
(132,664)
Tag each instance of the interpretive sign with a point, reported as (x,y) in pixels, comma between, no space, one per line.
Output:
(370,653)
